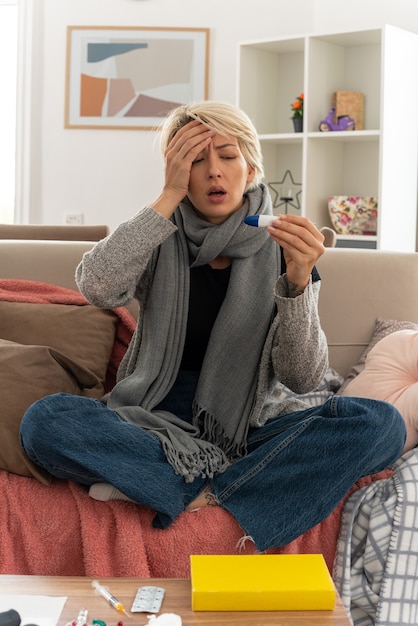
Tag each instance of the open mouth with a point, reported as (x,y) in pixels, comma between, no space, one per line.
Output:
(216,192)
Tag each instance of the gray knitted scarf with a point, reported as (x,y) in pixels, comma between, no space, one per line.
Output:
(227,382)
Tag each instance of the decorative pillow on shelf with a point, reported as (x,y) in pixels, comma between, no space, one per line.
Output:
(383,328)
(390,373)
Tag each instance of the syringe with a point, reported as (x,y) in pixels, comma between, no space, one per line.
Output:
(104,591)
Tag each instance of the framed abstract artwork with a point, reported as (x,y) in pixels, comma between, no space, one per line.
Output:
(129,78)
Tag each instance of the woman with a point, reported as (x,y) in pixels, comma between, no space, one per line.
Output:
(228,317)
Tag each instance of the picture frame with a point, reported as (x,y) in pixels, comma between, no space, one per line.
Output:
(123,77)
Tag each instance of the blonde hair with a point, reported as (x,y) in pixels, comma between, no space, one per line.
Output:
(224,119)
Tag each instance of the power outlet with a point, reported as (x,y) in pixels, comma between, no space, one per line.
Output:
(74,218)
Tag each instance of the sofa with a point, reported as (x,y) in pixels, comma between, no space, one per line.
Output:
(62,232)
(52,527)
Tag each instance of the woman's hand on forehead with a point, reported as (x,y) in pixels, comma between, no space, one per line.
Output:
(189,141)
(182,150)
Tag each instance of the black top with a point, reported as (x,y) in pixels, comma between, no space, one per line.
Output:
(207,292)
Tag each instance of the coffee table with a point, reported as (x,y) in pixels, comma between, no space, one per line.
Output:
(177,600)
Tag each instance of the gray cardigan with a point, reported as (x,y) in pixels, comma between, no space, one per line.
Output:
(295,356)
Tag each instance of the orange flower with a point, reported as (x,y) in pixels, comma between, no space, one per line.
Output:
(297,106)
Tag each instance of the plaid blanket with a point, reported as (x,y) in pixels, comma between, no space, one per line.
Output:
(376,564)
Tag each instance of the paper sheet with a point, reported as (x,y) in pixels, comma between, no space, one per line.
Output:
(40,610)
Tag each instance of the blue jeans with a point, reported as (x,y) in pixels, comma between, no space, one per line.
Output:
(298,467)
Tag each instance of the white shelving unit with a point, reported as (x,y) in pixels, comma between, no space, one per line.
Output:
(381,160)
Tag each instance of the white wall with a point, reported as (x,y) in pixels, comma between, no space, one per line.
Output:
(109,174)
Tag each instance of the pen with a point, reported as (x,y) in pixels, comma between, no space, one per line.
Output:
(262,221)
(104,591)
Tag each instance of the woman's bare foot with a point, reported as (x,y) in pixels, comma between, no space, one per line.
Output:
(205,498)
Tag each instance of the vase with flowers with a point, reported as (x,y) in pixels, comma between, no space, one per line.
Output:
(297,113)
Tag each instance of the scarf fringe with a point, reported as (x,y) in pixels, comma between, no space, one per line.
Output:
(205,461)
(211,430)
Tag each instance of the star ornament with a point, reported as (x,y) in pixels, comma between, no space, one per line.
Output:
(287,181)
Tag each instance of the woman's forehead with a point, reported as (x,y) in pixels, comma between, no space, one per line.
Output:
(223,141)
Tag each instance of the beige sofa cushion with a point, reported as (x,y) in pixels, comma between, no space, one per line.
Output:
(359,286)
(51,262)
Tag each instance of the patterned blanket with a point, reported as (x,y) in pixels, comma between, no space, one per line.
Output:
(376,564)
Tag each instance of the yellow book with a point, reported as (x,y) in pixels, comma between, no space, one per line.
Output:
(261,582)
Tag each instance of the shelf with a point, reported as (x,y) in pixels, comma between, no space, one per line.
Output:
(346,136)
(369,242)
(342,136)
(282,138)
(357,237)
(379,160)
